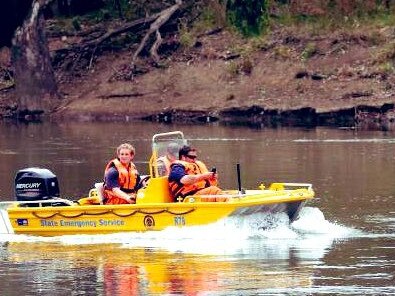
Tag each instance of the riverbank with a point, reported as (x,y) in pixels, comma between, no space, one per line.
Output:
(290,77)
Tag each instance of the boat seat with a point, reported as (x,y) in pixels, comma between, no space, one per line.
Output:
(95,196)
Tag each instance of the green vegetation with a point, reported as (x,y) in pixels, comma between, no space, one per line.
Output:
(187,38)
(76,22)
(282,52)
(250,17)
(309,51)
(332,15)
(385,58)
(244,66)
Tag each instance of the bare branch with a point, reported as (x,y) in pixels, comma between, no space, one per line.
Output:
(125,28)
(163,17)
(155,46)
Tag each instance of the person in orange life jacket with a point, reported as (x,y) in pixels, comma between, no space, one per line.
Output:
(189,176)
(165,161)
(121,177)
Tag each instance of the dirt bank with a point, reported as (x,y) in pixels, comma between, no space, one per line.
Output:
(289,78)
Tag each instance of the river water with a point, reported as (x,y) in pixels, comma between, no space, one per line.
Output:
(343,243)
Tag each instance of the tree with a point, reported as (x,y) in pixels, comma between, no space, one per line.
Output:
(248,16)
(35,83)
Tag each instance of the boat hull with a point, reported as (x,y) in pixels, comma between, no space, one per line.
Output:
(102,219)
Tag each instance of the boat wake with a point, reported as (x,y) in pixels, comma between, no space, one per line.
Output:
(233,235)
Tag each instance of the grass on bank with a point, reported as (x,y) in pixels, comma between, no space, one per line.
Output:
(372,25)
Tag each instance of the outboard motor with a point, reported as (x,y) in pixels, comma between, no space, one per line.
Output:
(36,184)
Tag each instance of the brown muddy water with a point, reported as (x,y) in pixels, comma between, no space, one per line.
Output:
(343,243)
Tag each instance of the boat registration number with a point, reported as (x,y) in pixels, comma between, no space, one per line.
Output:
(179,220)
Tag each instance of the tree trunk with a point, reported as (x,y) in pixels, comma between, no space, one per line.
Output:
(35,82)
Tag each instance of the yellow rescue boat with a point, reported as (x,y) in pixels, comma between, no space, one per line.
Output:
(154,210)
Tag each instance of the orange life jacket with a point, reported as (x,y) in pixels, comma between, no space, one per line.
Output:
(178,189)
(127,178)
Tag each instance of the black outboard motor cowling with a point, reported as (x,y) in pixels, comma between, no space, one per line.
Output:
(36,184)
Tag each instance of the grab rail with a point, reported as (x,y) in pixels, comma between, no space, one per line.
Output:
(282,186)
(175,133)
(40,202)
(5,224)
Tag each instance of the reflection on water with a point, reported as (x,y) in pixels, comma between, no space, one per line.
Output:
(199,261)
(139,271)
(342,245)
(168,262)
